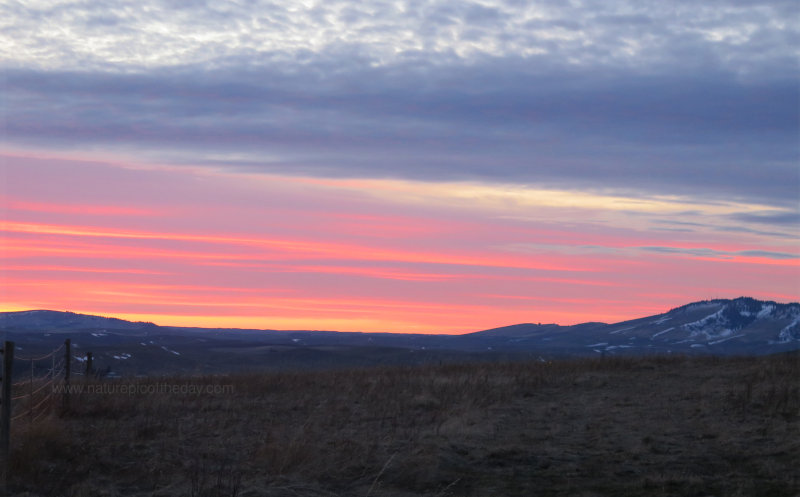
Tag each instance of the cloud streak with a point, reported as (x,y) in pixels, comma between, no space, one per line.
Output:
(412,263)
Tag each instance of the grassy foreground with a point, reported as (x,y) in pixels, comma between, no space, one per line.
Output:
(616,426)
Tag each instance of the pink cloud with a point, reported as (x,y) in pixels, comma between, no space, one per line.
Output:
(205,247)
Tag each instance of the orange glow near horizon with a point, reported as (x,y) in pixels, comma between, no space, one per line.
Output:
(267,252)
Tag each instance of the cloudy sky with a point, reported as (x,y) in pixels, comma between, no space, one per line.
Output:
(425,166)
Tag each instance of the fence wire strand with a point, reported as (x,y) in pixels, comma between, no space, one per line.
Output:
(44,399)
(19,416)
(33,396)
(46,356)
(39,416)
(42,387)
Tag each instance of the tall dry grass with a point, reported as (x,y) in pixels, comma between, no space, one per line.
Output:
(614,426)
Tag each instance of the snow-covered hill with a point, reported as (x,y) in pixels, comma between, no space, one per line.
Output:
(738,326)
(742,325)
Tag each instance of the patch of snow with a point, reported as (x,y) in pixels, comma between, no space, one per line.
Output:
(662,320)
(598,344)
(100,334)
(785,335)
(725,339)
(122,357)
(295,340)
(766,311)
(142,343)
(712,327)
(662,332)
(695,345)
(725,333)
(79,359)
(170,351)
(706,320)
(621,329)
(612,347)
(598,351)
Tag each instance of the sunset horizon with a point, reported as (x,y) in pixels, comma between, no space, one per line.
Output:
(245,323)
(437,168)
(366,255)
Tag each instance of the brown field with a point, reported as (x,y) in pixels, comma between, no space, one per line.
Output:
(615,426)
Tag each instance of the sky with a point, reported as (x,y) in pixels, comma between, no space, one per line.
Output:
(400,166)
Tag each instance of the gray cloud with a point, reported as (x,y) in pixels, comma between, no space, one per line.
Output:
(688,251)
(720,254)
(786,218)
(790,234)
(686,100)
(729,224)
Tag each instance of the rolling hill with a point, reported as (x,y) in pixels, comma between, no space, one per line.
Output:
(742,326)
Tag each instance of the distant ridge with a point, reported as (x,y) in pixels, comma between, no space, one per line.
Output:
(738,302)
(745,324)
(64,321)
(741,326)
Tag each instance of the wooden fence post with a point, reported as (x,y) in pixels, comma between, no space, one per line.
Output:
(5,407)
(5,412)
(67,366)
(88,365)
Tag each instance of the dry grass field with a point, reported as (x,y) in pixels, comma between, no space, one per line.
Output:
(614,426)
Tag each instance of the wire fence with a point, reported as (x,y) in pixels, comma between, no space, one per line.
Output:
(33,394)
